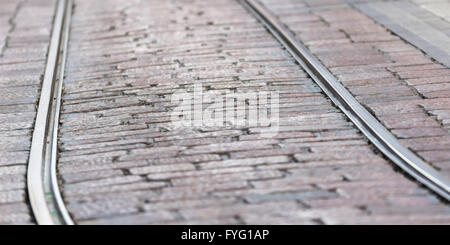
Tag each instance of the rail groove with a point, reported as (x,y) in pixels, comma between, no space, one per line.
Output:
(368,124)
(43,191)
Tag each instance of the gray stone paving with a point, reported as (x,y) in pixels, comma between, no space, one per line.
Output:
(439,8)
(24,35)
(121,162)
(425,25)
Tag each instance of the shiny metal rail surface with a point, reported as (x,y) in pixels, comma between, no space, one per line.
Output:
(43,190)
(368,124)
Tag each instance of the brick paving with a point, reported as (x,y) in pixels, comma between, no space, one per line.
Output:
(24,35)
(121,162)
(404,88)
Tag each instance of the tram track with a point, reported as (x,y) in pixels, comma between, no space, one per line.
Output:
(341,97)
(43,188)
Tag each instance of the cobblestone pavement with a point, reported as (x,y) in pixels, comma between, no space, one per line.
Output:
(403,87)
(122,162)
(24,35)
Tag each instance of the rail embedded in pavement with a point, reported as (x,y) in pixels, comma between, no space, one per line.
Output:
(341,97)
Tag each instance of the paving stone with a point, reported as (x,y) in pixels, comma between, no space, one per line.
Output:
(228,177)
(289,196)
(12,196)
(244,162)
(102,190)
(162,168)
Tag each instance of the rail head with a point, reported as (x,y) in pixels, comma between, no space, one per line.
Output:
(43,190)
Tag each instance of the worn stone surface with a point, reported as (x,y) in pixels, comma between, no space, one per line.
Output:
(403,87)
(24,35)
(121,161)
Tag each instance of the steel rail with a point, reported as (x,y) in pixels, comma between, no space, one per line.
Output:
(43,190)
(367,124)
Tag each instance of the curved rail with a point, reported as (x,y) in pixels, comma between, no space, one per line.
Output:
(369,125)
(43,190)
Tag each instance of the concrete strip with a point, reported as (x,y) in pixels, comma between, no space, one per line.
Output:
(402,22)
